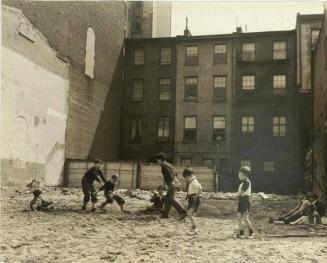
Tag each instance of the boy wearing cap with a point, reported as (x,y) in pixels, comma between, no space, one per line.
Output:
(244,205)
(39,204)
(109,188)
(93,174)
(194,190)
(171,181)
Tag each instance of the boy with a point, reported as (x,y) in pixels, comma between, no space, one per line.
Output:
(318,208)
(171,181)
(194,189)
(109,188)
(244,205)
(158,200)
(38,204)
(93,174)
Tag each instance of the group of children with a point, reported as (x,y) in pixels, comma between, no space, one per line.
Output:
(163,203)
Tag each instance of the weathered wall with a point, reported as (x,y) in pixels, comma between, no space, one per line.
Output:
(320,113)
(34,95)
(93,125)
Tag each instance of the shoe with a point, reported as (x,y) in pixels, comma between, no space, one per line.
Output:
(93,209)
(83,208)
(183,216)
(251,236)
(240,236)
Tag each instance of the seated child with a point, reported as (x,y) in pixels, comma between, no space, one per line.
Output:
(318,208)
(303,209)
(38,204)
(194,190)
(157,199)
(109,188)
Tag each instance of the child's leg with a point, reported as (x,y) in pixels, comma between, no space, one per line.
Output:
(120,201)
(192,218)
(246,219)
(240,223)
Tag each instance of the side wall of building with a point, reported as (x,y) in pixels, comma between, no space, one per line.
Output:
(34,104)
(320,113)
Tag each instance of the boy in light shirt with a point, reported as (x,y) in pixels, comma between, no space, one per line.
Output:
(194,190)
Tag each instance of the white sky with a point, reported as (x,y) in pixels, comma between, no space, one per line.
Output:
(220,17)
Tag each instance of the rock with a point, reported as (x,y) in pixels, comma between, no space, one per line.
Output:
(5,247)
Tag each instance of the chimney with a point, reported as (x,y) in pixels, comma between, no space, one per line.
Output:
(187,32)
(239,30)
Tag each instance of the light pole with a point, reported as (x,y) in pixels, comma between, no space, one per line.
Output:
(219,139)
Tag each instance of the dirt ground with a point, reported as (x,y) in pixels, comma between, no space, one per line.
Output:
(69,235)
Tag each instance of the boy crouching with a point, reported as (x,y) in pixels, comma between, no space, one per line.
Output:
(39,204)
(194,190)
(109,188)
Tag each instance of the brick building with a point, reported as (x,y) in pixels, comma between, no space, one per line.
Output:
(265,133)
(320,112)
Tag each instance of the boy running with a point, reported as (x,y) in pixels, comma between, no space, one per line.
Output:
(244,205)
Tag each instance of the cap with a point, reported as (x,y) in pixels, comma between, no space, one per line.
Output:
(98,161)
(187,171)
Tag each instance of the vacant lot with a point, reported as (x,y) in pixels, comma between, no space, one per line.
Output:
(68,235)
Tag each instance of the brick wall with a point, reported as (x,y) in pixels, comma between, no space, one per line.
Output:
(33,123)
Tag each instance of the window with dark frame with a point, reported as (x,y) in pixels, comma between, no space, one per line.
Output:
(279,84)
(220,54)
(248,83)
(165,56)
(218,128)
(163,128)
(138,90)
(192,55)
(219,87)
(190,129)
(164,89)
(248,124)
(279,126)
(136,129)
(268,166)
(191,89)
(248,51)
(279,50)
(139,56)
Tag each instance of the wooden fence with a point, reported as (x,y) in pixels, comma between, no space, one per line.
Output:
(137,175)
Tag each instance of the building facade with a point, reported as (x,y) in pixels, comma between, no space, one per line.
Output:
(320,112)
(265,133)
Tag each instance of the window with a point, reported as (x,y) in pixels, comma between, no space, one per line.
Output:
(220,54)
(246,163)
(207,163)
(219,87)
(190,129)
(165,56)
(248,52)
(279,50)
(163,127)
(192,55)
(137,94)
(268,166)
(219,128)
(191,88)
(90,53)
(248,124)
(248,83)
(279,126)
(186,161)
(139,56)
(136,129)
(164,89)
(314,37)
(279,84)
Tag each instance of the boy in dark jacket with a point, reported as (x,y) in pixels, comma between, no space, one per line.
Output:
(109,188)
(92,175)
(158,200)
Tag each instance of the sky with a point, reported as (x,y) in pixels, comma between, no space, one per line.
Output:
(221,17)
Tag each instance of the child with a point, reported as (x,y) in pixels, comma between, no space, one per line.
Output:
(194,189)
(157,199)
(93,174)
(318,208)
(38,204)
(244,205)
(109,188)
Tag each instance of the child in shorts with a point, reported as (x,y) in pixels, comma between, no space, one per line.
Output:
(194,190)
(244,205)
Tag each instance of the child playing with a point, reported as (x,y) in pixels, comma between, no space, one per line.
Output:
(109,188)
(157,199)
(244,205)
(38,204)
(194,189)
